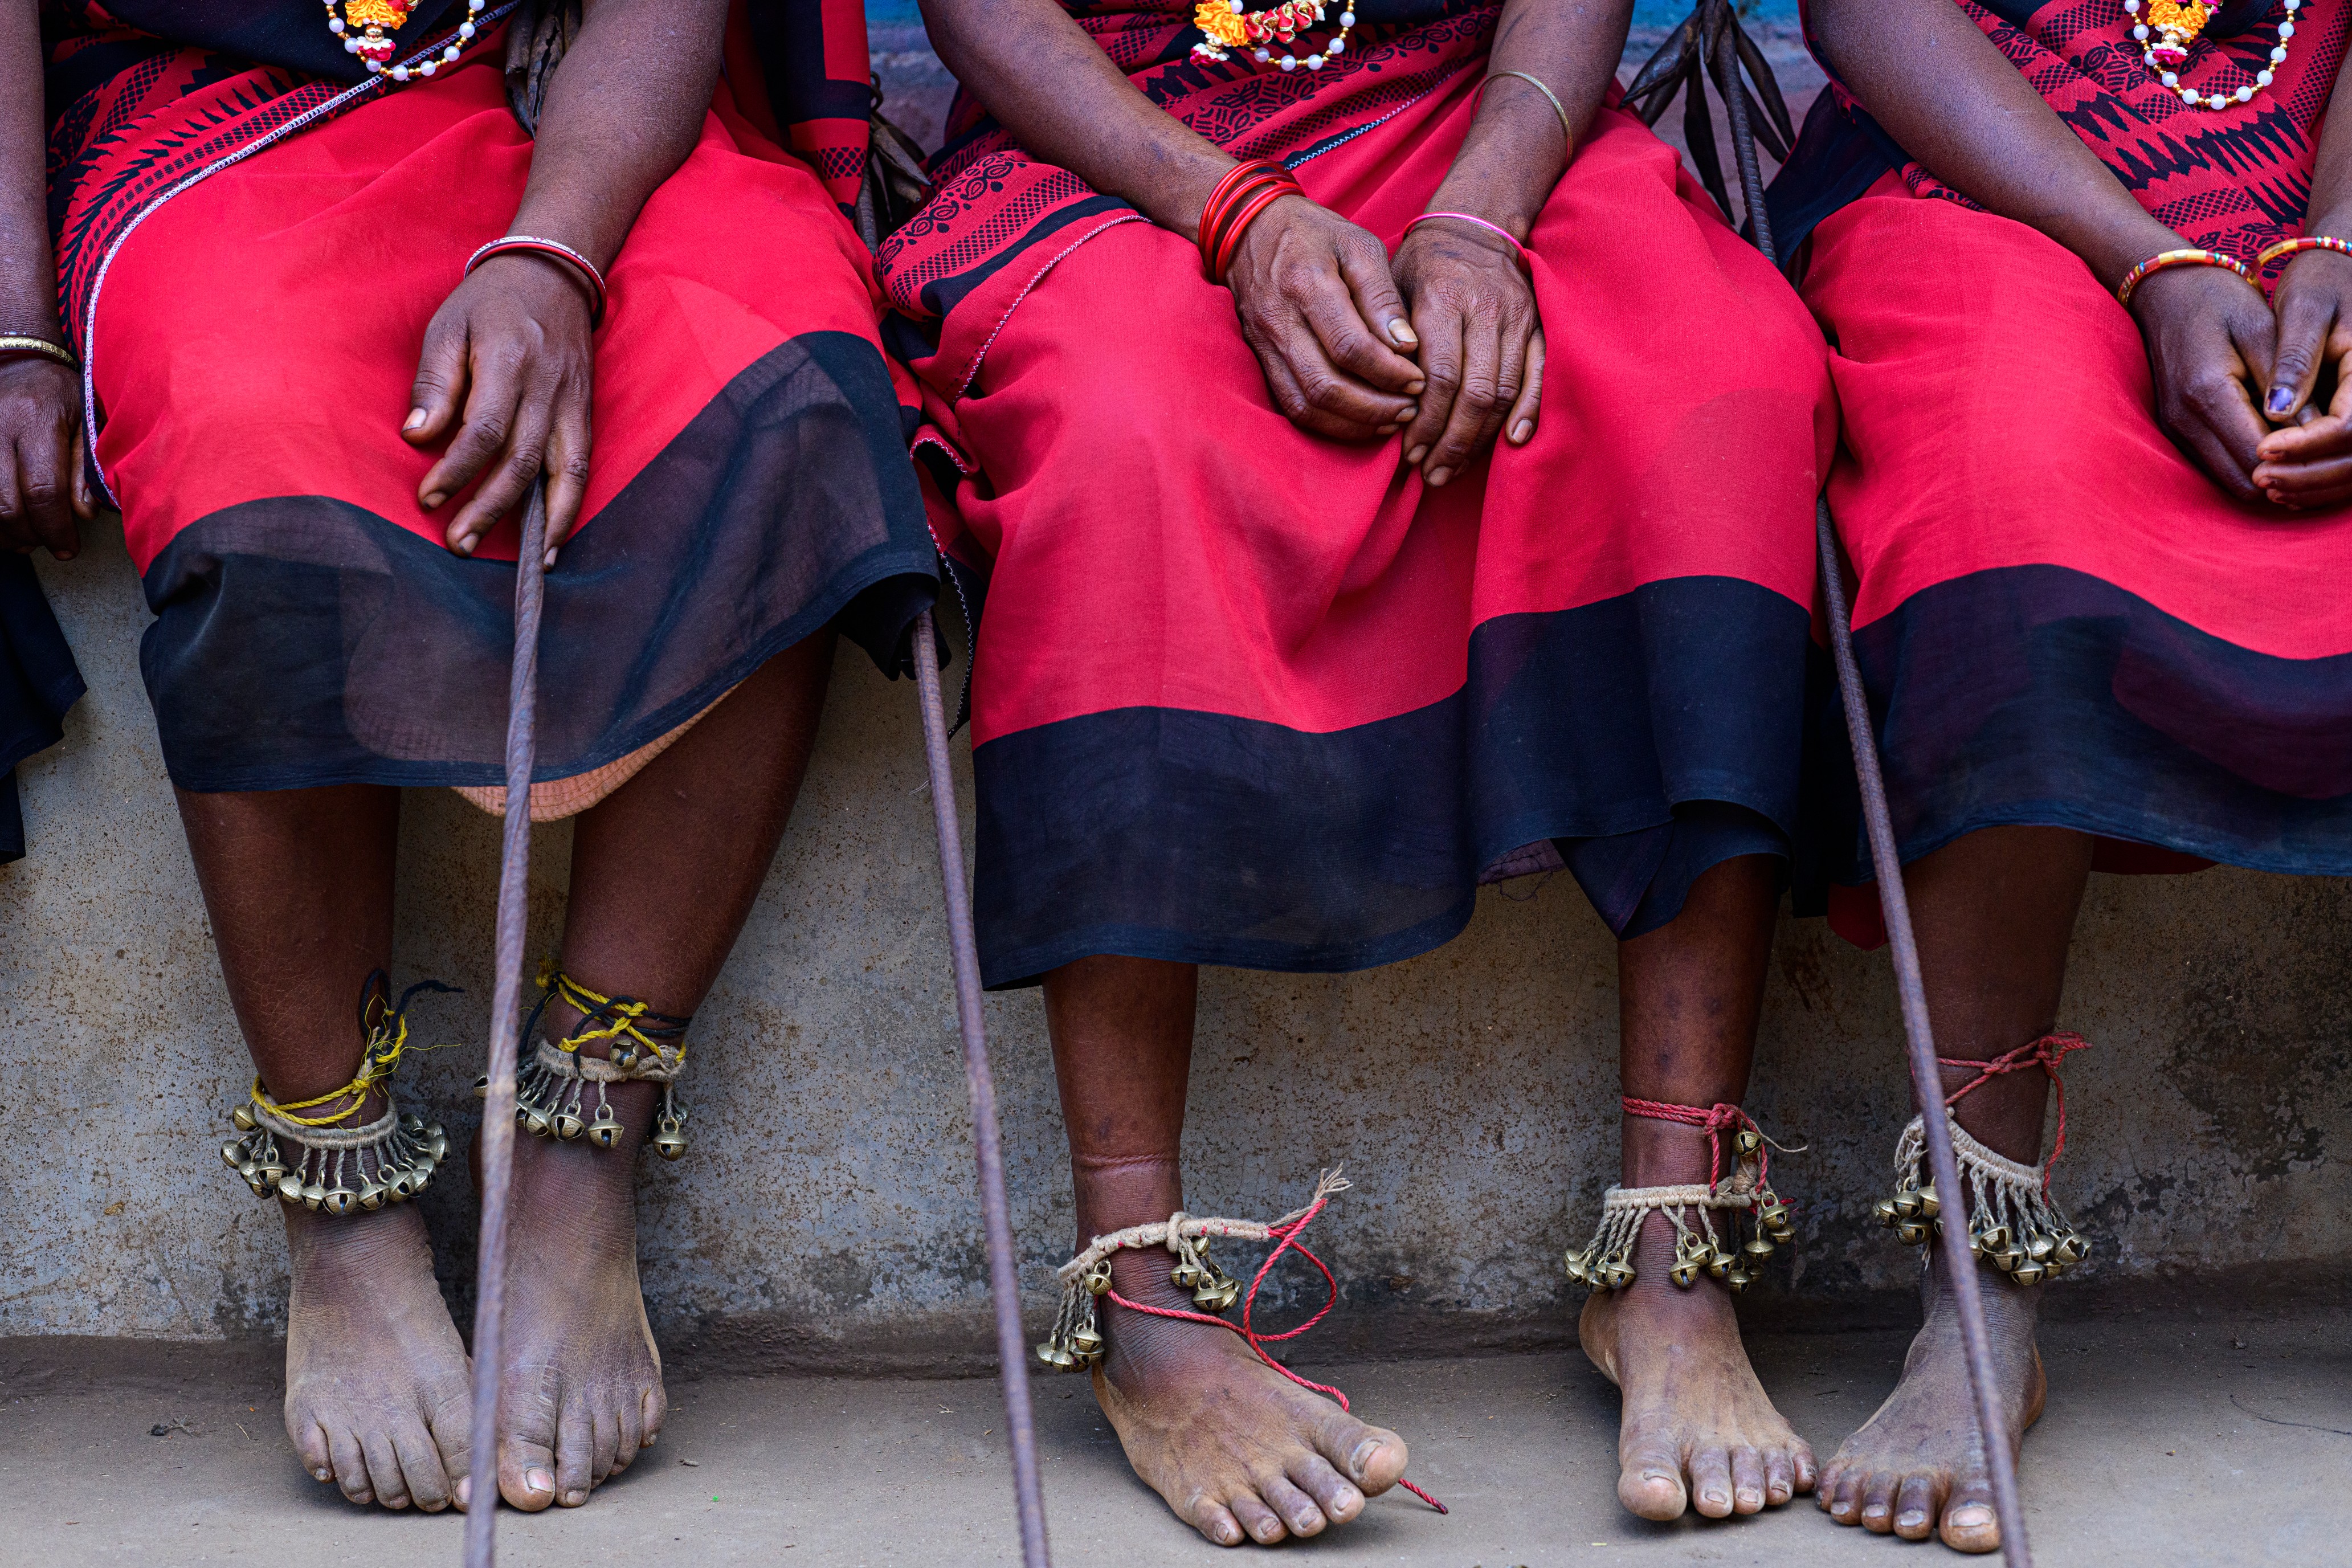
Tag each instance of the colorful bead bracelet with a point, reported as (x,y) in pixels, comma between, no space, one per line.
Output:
(2306,242)
(533,245)
(2165,261)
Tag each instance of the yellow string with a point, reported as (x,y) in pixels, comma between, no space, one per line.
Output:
(387,1038)
(624,1014)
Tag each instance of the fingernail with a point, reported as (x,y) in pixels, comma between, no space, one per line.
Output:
(1411,411)
(550,561)
(1439,476)
(1412,388)
(417,416)
(1366,1452)
(464,543)
(433,500)
(538,1481)
(1387,429)
(1416,455)
(1400,332)
(2282,399)
(1521,431)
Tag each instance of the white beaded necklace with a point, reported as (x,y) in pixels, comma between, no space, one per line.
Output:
(2169,29)
(373,43)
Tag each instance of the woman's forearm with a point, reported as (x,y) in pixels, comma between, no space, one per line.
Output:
(28,279)
(1052,86)
(1517,149)
(1943,90)
(622,113)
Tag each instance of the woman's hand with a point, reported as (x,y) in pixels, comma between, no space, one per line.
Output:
(1481,343)
(2309,462)
(507,363)
(44,483)
(2209,339)
(1320,311)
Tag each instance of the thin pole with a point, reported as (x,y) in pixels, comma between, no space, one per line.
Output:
(1004,1286)
(506,1014)
(1926,1083)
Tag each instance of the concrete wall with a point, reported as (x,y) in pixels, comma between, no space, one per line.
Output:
(826,1212)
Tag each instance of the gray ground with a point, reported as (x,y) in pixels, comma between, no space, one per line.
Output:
(2170,1440)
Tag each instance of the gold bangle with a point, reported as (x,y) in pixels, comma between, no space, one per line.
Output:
(1549,96)
(27,343)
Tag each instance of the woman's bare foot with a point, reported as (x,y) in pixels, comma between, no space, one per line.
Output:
(377,1396)
(1240,1452)
(1697,1428)
(581,1388)
(1916,1468)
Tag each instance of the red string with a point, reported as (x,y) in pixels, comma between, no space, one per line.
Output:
(2046,1053)
(1257,1341)
(1715,1121)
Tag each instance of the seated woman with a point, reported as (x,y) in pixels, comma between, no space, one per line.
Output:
(1282,647)
(2085,272)
(319,393)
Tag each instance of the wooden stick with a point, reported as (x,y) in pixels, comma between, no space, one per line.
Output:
(506,1017)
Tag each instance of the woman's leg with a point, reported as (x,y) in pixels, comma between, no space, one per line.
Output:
(1238,1450)
(1995,913)
(1697,1427)
(664,873)
(298,886)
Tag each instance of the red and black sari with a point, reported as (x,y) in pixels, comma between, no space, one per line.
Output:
(1243,695)
(252,235)
(2061,620)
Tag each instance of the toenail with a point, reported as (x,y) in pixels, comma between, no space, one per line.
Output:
(1366,1452)
(1969,1516)
(323,1474)
(575,1499)
(1911,1518)
(538,1481)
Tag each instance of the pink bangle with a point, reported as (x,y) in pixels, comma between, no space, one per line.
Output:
(1517,249)
(535,245)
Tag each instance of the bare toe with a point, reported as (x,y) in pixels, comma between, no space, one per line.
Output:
(384,1476)
(1969,1524)
(1651,1483)
(1915,1507)
(1878,1503)
(351,1465)
(1262,1522)
(1746,1480)
(1779,1477)
(1332,1492)
(526,1474)
(1299,1512)
(1710,1474)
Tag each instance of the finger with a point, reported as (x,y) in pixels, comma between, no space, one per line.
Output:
(15,519)
(494,394)
(567,471)
(2223,428)
(1477,406)
(440,389)
(1314,395)
(1365,266)
(1519,425)
(510,479)
(2312,439)
(1440,326)
(85,505)
(43,489)
(1330,312)
(2304,484)
(2304,318)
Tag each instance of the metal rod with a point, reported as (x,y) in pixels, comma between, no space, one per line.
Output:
(1926,1083)
(1004,1282)
(506,1015)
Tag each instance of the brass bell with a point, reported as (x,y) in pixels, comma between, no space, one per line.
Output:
(436,1142)
(1910,1233)
(567,1126)
(2006,1259)
(232,1155)
(1772,1215)
(2072,1248)
(269,1169)
(1993,1239)
(1758,1249)
(1737,1279)
(1619,1276)
(413,1123)
(242,1119)
(1718,1261)
(313,1195)
(1885,1209)
(1685,1273)
(2028,1273)
(261,1189)
(1187,1275)
(2041,1248)
(482,1086)
(625,1057)
(371,1194)
(1928,1207)
(401,1185)
(1906,1204)
(1748,1141)
(669,1141)
(1085,1346)
(536,1119)
(289,1187)
(339,1201)
(1098,1277)
(1050,1353)
(605,1130)
(1576,1262)
(421,1173)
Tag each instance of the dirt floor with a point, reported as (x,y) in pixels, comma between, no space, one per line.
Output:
(2178,1438)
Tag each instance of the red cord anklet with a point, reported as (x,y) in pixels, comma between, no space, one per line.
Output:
(2046,1053)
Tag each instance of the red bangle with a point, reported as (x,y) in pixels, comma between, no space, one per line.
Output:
(1240,185)
(1231,240)
(580,265)
(2308,242)
(2165,261)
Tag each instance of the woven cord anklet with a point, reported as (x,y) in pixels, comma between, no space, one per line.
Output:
(550,1090)
(2013,1222)
(1606,1263)
(338,1165)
